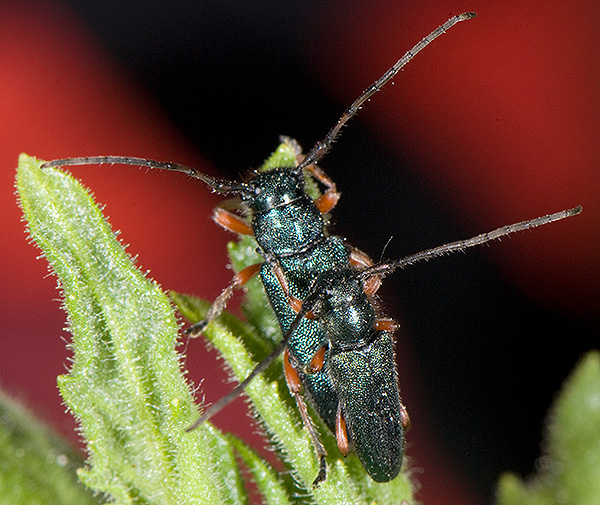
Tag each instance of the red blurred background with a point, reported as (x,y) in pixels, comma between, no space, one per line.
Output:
(496,122)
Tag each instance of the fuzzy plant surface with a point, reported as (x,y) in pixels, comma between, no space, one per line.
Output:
(569,467)
(37,467)
(127,386)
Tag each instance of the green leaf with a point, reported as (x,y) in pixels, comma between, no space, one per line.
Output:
(126,386)
(267,481)
(569,469)
(283,156)
(36,466)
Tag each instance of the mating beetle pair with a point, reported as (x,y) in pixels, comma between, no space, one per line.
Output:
(336,346)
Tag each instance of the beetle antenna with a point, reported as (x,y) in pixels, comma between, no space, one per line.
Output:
(385,268)
(222,186)
(322,147)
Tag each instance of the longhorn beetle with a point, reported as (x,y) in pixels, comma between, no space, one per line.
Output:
(335,343)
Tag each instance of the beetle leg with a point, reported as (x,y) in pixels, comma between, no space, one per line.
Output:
(291,375)
(328,200)
(295,384)
(231,222)
(360,260)
(386,324)
(317,361)
(404,418)
(238,281)
(341,432)
(295,303)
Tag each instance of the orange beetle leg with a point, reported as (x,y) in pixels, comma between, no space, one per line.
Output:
(317,361)
(341,433)
(404,417)
(386,324)
(231,222)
